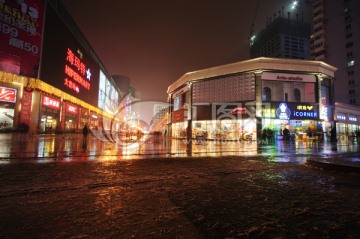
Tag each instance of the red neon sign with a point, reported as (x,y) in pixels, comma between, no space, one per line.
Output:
(238,111)
(71,109)
(76,73)
(7,94)
(50,102)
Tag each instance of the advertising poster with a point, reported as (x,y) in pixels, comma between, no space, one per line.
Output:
(25,113)
(21,32)
(7,94)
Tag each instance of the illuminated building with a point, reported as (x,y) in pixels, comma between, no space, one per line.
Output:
(347,121)
(336,41)
(50,77)
(239,100)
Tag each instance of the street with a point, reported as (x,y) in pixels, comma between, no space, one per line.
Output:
(245,196)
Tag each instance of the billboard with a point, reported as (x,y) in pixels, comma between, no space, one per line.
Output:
(108,95)
(65,64)
(292,111)
(21,32)
(7,94)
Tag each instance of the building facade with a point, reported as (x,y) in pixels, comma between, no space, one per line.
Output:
(347,121)
(282,38)
(335,40)
(241,100)
(47,82)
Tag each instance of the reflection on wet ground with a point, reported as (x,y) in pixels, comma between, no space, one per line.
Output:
(208,197)
(69,146)
(100,192)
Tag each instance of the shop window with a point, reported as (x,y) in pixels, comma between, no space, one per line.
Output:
(266,94)
(297,95)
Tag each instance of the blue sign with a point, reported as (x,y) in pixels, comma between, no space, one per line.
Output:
(283,112)
(287,111)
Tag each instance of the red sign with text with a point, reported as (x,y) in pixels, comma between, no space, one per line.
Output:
(50,102)
(7,94)
(21,32)
(77,75)
(25,113)
(72,109)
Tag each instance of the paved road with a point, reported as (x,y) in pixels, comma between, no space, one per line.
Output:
(60,190)
(209,197)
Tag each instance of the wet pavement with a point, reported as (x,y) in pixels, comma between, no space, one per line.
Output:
(20,147)
(53,188)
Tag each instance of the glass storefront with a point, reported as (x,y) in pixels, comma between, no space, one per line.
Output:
(244,129)
(48,120)
(94,121)
(70,122)
(226,129)
(179,129)
(6,115)
(299,129)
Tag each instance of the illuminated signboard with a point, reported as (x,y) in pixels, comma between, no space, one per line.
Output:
(239,111)
(341,117)
(352,118)
(305,111)
(77,75)
(286,111)
(283,112)
(20,36)
(287,77)
(50,102)
(71,109)
(269,113)
(108,95)
(7,94)
(67,64)
(324,113)
(177,103)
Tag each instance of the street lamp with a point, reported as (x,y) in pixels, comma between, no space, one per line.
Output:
(294,5)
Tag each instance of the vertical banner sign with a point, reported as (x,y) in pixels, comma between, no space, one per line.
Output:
(21,32)
(25,112)
(63,113)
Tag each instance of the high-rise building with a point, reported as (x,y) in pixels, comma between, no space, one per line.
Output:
(336,40)
(50,83)
(282,38)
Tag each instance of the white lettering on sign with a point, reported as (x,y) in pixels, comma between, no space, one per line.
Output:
(72,109)
(287,77)
(47,101)
(25,46)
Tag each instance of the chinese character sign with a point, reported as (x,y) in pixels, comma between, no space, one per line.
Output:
(50,102)
(77,75)
(20,36)
(25,112)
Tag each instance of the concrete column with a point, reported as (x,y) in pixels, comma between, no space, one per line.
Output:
(258,101)
(189,113)
(189,119)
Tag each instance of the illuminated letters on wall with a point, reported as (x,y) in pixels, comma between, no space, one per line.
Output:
(77,75)
(66,64)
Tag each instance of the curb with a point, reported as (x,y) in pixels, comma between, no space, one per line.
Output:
(331,166)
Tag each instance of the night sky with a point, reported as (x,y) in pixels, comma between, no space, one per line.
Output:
(156,42)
